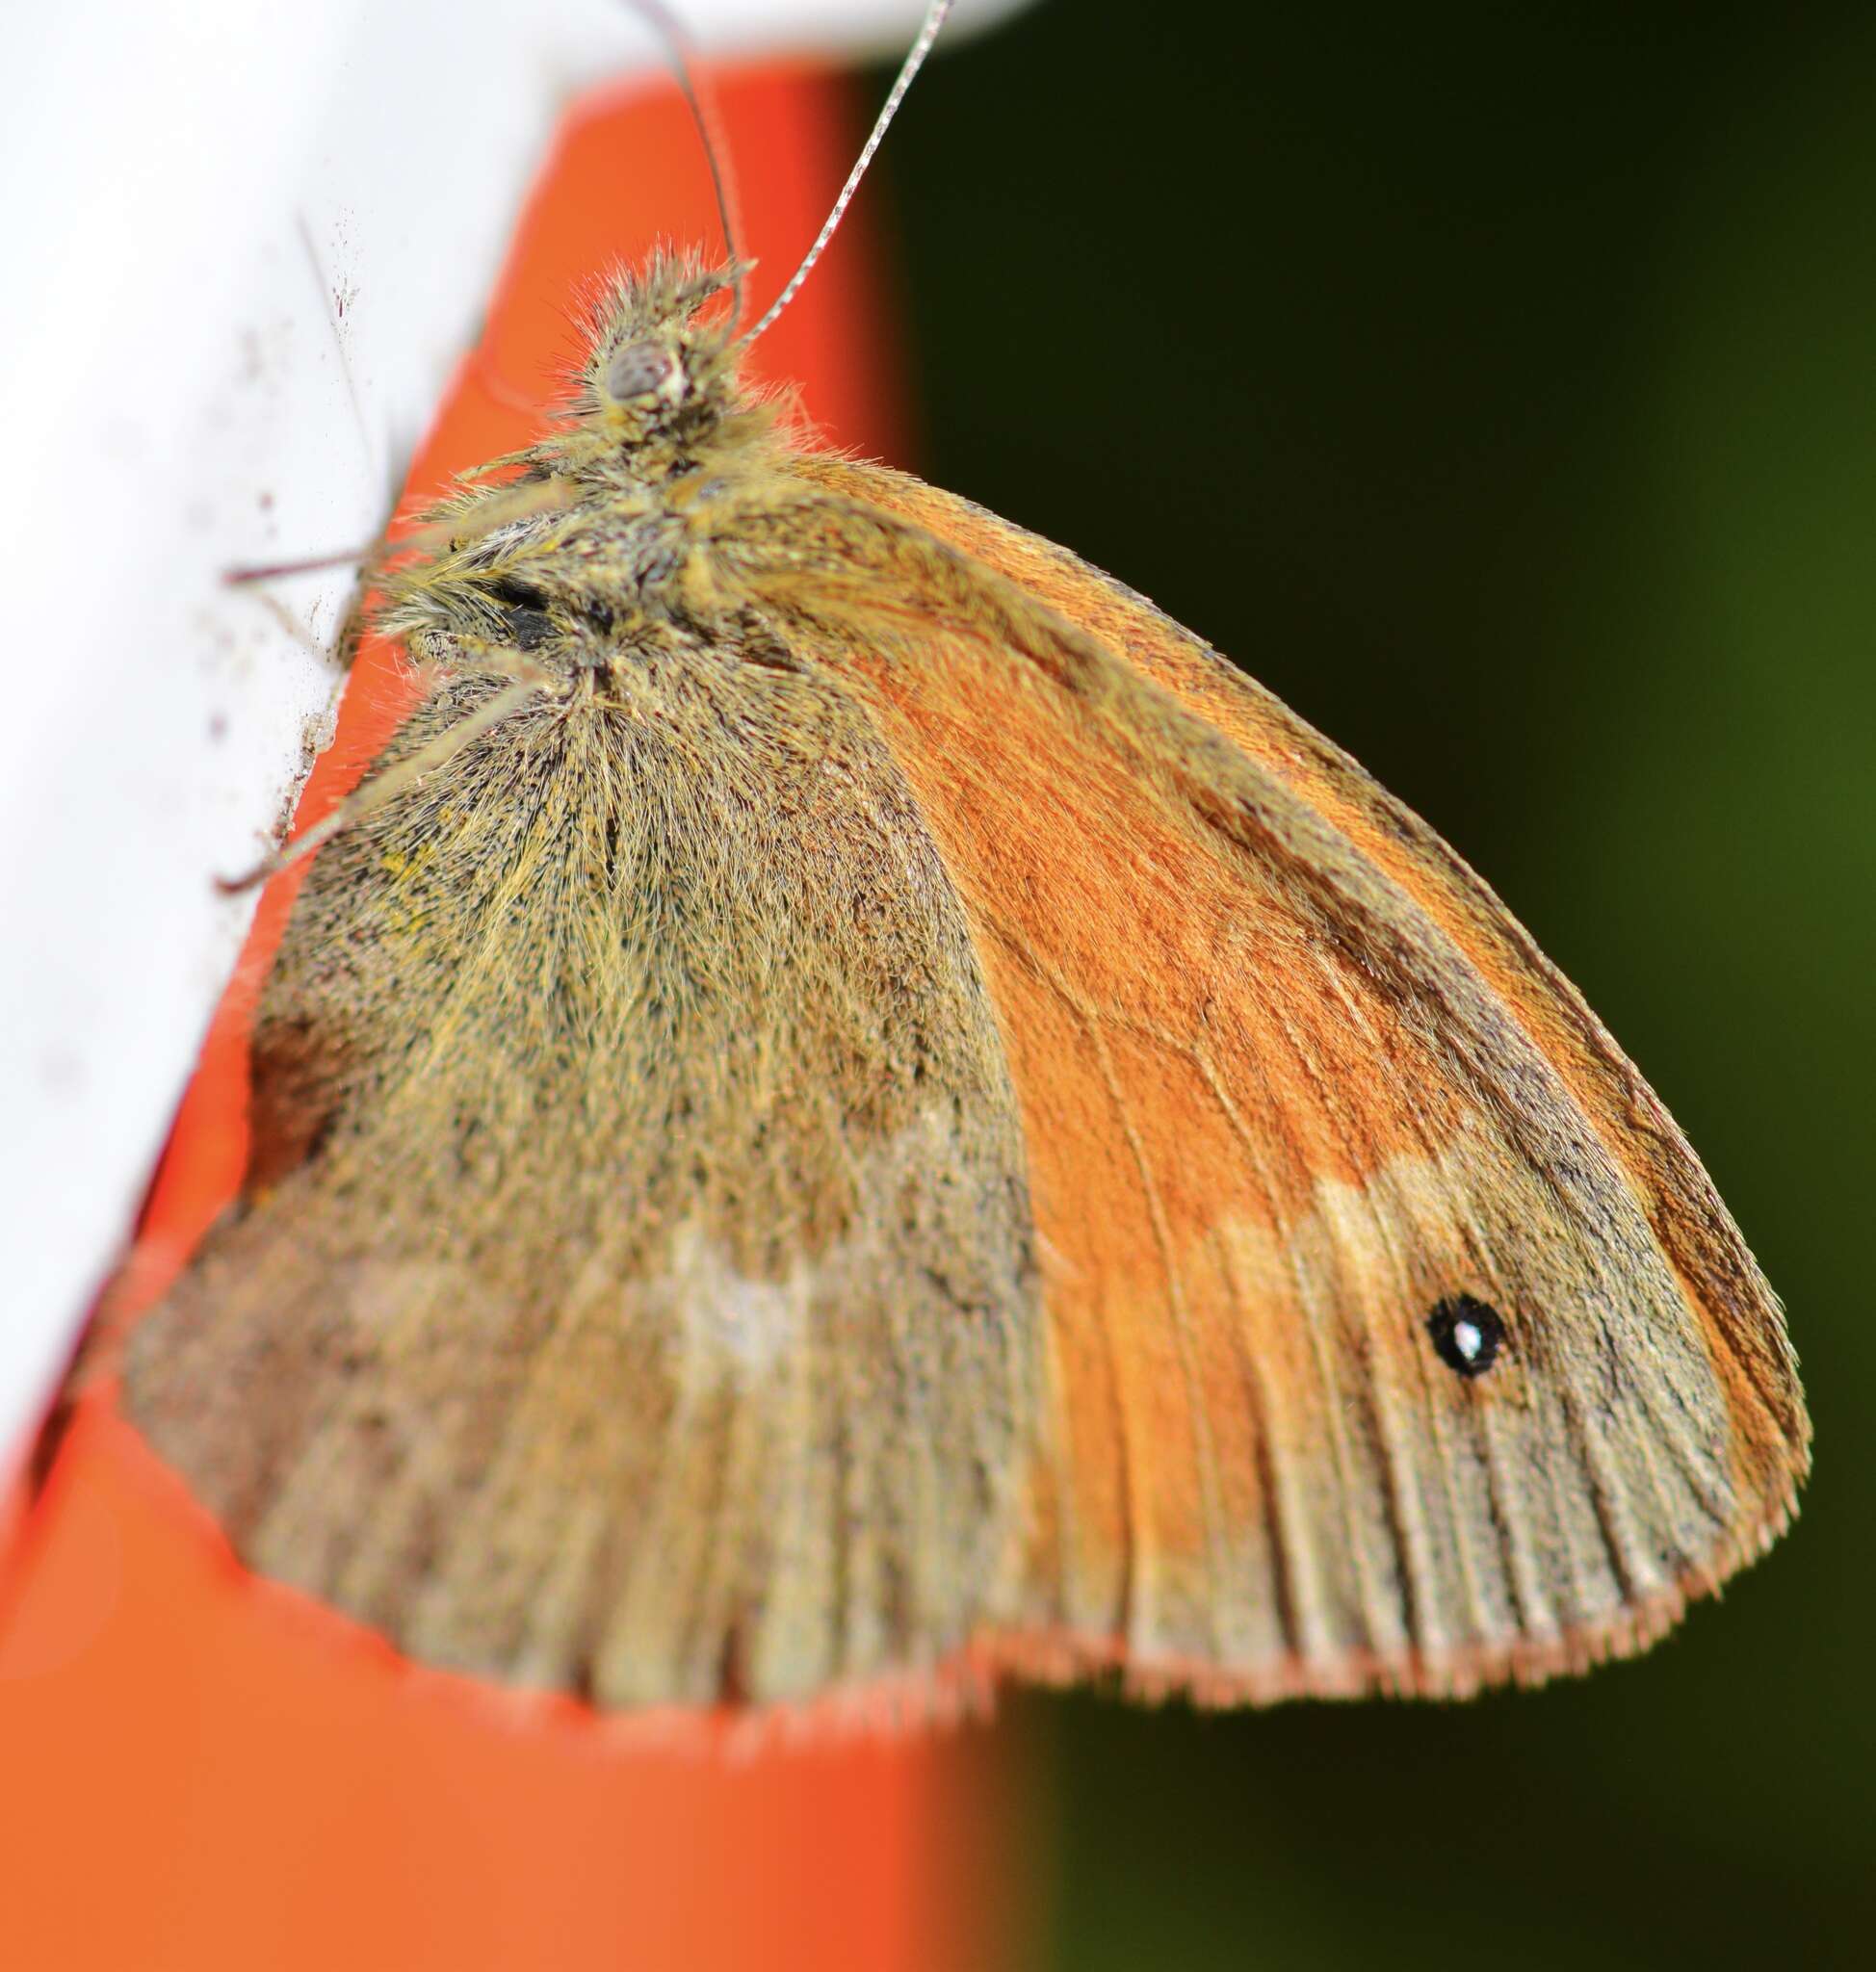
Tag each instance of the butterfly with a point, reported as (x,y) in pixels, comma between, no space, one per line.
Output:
(851,1100)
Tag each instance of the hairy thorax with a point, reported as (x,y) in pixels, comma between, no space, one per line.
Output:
(601,549)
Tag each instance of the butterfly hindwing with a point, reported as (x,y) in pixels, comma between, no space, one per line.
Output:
(634,1290)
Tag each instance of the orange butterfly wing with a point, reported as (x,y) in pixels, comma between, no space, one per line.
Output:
(1299,1097)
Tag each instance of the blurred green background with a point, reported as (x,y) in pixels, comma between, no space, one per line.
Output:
(1495,384)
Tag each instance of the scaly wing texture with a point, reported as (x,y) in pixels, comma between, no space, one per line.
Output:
(633,1291)
(1290,1077)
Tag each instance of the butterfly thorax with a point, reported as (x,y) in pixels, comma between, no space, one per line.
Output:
(596,545)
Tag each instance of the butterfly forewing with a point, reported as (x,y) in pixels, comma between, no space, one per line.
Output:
(1292,1079)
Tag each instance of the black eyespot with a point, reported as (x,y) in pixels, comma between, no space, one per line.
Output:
(1467,1334)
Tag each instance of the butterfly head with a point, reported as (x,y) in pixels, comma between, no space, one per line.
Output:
(659,371)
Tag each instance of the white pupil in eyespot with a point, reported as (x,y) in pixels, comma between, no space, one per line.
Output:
(1466,1339)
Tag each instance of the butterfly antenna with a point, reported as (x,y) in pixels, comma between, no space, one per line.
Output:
(934,20)
(681,51)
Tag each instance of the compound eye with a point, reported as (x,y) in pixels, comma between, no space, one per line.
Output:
(645,370)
